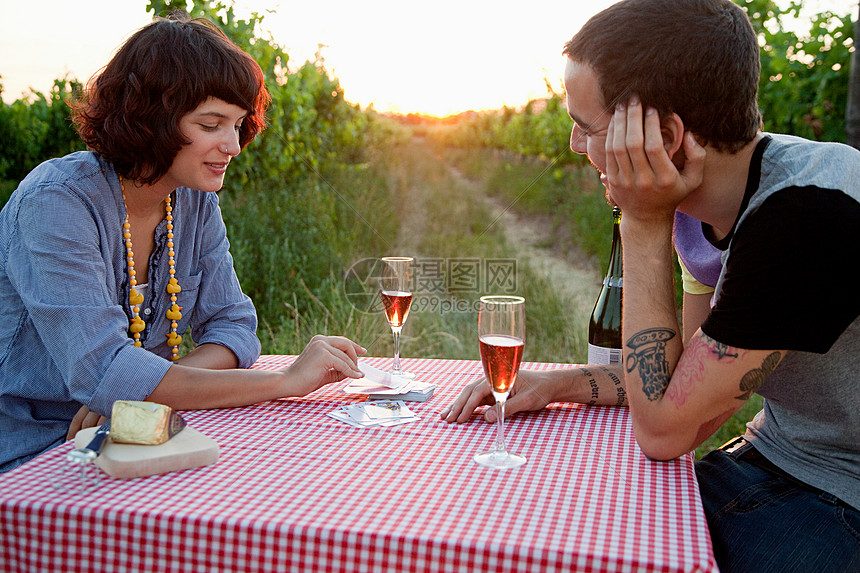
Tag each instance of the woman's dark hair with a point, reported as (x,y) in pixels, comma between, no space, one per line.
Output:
(696,58)
(130,112)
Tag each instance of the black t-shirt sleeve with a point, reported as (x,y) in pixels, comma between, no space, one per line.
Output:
(792,274)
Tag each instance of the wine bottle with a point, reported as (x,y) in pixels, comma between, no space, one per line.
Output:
(604,328)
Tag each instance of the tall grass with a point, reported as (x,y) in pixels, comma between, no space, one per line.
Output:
(7,186)
(405,201)
(447,219)
(570,195)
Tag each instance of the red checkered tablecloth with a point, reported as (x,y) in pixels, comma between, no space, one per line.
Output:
(295,490)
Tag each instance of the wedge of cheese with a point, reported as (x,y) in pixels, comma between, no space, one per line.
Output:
(144,423)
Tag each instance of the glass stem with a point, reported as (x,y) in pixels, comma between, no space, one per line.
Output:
(396,366)
(500,427)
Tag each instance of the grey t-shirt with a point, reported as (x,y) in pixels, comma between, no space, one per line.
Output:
(789,282)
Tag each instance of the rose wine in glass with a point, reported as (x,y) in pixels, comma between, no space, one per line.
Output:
(396,305)
(501,339)
(396,293)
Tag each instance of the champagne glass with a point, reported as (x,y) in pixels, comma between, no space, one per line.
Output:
(396,295)
(501,337)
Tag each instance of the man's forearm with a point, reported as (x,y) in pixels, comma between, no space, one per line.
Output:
(650,330)
(594,385)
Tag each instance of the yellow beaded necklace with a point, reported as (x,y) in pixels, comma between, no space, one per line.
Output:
(136,324)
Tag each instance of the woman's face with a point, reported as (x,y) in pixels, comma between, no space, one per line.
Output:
(213,130)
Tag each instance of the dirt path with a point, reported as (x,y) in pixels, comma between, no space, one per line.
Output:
(576,278)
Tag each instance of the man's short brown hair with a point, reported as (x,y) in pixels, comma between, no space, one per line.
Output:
(696,58)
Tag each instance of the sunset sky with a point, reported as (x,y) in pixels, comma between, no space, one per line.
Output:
(435,57)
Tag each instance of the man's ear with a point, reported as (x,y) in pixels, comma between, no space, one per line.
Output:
(672,130)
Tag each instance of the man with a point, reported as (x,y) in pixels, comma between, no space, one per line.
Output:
(663,98)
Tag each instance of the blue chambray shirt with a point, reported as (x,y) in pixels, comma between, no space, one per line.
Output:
(64,310)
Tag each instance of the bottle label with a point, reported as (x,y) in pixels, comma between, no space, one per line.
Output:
(614,282)
(601,355)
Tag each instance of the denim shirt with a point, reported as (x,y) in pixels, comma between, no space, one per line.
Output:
(64,289)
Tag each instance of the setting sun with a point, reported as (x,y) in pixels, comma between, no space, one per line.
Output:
(438,58)
(445,59)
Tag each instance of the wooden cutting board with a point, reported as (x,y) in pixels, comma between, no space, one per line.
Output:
(187,449)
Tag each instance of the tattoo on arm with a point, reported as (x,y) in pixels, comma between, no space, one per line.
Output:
(592,383)
(649,357)
(752,380)
(691,368)
(620,392)
(721,350)
(594,386)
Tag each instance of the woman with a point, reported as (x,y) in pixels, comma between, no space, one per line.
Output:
(108,256)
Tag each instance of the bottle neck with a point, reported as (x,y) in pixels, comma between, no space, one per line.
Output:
(614,272)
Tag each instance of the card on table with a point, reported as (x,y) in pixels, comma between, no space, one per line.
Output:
(374,413)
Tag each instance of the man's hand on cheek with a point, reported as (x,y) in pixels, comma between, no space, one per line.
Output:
(642,178)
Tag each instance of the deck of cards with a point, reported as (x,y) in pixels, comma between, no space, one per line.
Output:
(374,413)
(381,385)
(386,406)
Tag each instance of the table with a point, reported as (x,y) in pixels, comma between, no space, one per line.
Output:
(296,490)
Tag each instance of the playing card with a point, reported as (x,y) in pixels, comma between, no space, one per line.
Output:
(380,377)
(376,413)
(357,413)
(344,417)
(413,390)
(386,410)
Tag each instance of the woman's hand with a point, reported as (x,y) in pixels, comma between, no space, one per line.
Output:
(324,360)
(531,391)
(84,419)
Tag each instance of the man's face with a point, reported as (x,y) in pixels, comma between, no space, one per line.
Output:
(588,112)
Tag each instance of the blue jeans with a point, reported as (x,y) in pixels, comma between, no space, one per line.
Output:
(762,520)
